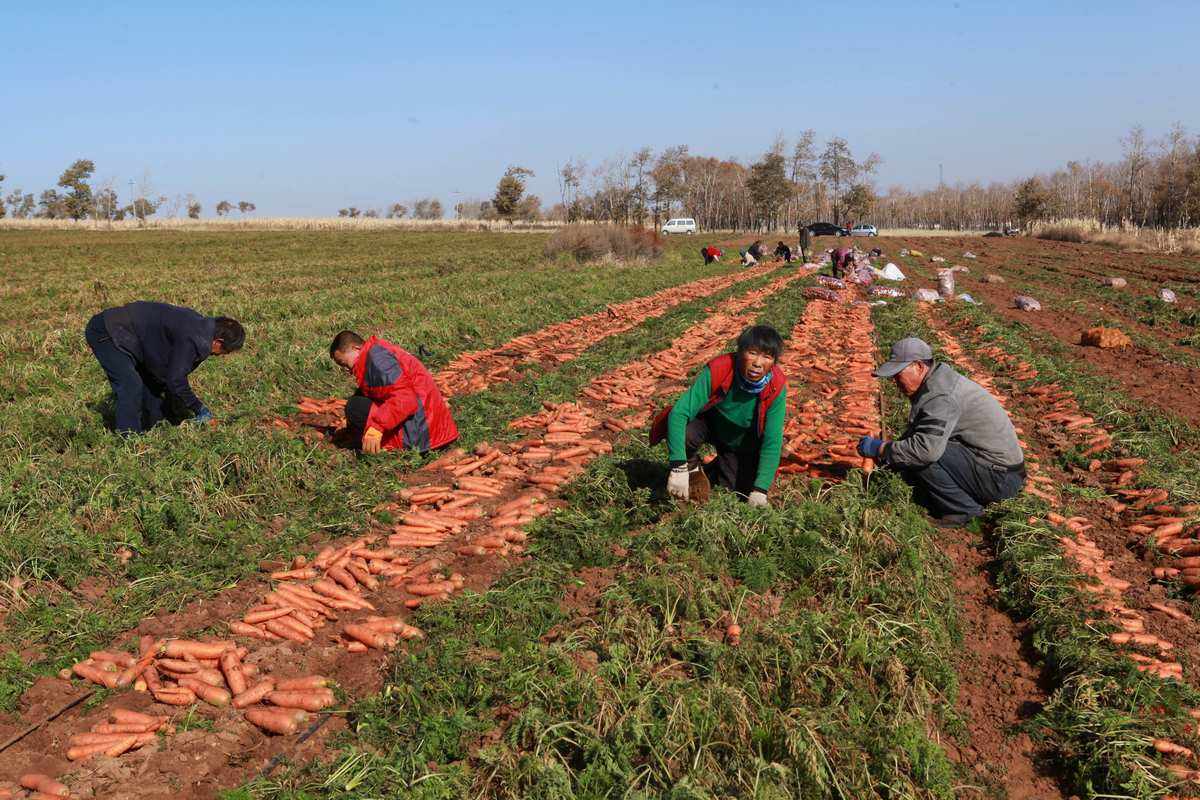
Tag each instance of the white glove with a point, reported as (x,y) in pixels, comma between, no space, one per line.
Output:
(679,482)
(758,499)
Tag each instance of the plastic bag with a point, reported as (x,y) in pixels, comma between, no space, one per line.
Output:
(1167,296)
(969,254)
(885,291)
(903,251)
(946,283)
(827,280)
(936,259)
(890,272)
(960,268)
(820,293)
(993,278)
(966,298)
(1026,303)
(1116,283)
(926,296)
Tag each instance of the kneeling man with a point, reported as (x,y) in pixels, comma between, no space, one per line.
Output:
(960,451)
(397,406)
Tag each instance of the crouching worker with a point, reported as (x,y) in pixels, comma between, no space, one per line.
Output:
(960,451)
(737,405)
(784,252)
(147,350)
(711,254)
(752,254)
(397,406)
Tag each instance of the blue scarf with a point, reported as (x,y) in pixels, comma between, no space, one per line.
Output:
(753,388)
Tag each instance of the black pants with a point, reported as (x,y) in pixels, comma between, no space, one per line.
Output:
(961,483)
(358,408)
(139,397)
(733,469)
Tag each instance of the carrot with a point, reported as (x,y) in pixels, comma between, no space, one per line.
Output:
(120,659)
(98,737)
(305,699)
(127,727)
(37,782)
(242,629)
(262,616)
(231,668)
(174,696)
(369,637)
(277,627)
(355,647)
(112,748)
(133,717)
(1170,611)
(95,674)
(331,589)
(276,720)
(395,625)
(254,694)
(210,694)
(363,575)
(304,682)
(179,648)
(302,574)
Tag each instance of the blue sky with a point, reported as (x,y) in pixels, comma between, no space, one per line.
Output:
(305,107)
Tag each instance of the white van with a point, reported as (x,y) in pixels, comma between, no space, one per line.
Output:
(682,225)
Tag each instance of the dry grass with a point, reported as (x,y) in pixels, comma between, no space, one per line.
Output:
(927,232)
(280,224)
(1126,237)
(594,243)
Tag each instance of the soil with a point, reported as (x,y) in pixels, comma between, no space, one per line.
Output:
(1044,269)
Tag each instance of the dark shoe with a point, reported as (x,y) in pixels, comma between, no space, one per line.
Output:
(952,521)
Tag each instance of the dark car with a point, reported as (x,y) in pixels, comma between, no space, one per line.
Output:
(827,229)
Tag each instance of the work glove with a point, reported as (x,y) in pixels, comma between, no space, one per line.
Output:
(869,447)
(371,440)
(203,417)
(757,499)
(679,482)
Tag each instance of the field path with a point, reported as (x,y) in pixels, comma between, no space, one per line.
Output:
(481,536)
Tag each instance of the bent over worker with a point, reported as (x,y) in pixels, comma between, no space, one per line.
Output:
(959,452)
(737,405)
(147,350)
(397,406)
(711,253)
(842,259)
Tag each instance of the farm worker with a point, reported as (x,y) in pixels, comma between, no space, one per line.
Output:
(959,451)
(784,252)
(752,254)
(842,259)
(711,254)
(397,404)
(147,350)
(737,405)
(805,242)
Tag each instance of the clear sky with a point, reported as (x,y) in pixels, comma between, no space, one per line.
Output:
(304,107)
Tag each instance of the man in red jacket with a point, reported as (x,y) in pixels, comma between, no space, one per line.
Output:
(397,405)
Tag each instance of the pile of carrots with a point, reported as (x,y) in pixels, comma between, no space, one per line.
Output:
(39,786)
(831,350)
(564,341)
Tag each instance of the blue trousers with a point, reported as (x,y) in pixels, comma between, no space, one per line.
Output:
(961,483)
(139,399)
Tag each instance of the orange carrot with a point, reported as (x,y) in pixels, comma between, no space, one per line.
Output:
(254,694)
(210,694)
(112,748)
(175,696)
(37,782)
(231,668)
(95,674)
(262,616)
(242,629)
(306,699)
(125,715)
(369,637)
(283,721)
(127,727)
(331,589)
(277,627)
(180,648)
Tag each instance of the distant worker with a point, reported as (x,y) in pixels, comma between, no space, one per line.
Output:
(842,259)
(711,254)
(959,452)
(737,405)
(752,254)
(784,252)
(805,242)
(397,406)
(147,350)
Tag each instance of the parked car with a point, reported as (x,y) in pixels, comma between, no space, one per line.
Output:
(864,230)
(681,225)
(827,229)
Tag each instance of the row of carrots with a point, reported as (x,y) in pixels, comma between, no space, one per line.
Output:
(1150,653)
(831,350)
(564,341)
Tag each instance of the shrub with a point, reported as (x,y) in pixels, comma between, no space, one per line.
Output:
(598,242)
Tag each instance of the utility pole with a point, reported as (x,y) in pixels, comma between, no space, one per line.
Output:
(132,199)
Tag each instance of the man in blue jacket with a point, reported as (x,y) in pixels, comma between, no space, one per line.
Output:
(147,350)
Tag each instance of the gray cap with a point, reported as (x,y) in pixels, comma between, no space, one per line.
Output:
(904,352)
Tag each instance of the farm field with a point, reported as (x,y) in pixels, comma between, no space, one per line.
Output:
(574,633)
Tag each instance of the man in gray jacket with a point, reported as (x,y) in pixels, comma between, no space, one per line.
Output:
(960,451)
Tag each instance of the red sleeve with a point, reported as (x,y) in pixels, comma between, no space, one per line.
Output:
(385,376)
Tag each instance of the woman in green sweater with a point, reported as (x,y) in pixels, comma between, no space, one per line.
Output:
(737,405)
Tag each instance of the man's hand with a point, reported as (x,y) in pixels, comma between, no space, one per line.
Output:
(203,417)
(758,499)
(371,440)
(679,482)
(869,447)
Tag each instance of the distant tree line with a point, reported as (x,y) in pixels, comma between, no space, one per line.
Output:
(77,197)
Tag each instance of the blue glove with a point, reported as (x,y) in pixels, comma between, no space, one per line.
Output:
(869,447)
(203,417)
